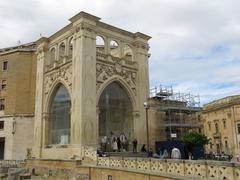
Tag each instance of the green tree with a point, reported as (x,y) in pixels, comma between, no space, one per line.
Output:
(193,138)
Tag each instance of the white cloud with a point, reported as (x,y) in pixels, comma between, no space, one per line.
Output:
(195,44)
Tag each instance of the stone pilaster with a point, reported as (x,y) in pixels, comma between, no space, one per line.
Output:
(141,57)
(38,123)
(84,125)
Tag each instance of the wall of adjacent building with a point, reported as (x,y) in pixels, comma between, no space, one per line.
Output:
(18,134)
(22,136)
(6,133)
(20,89)
(19,98)
(226,114)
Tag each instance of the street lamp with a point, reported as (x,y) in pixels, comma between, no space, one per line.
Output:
(146,106)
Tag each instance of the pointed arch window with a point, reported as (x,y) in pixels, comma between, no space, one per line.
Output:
(115,112)
(59,125)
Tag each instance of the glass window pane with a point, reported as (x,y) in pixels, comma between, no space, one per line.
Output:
(60,117)
(115,112)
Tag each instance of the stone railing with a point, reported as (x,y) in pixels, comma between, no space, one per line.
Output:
(89,152)
(188,169)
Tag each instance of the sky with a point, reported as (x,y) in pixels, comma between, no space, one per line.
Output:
(195,45)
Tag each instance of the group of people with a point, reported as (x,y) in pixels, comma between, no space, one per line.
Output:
(117,143)
(175,153)
(120,144)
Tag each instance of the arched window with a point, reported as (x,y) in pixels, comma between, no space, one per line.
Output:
(70,50)
(52,56)
(114,48)
(62,50)
(100,44)
(115,112)
(59,125)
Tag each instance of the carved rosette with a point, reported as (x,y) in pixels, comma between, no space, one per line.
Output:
(105,71)
(64,74)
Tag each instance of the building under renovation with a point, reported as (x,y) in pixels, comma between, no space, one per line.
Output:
(172,114)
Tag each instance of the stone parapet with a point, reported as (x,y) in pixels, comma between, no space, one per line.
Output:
(189,169)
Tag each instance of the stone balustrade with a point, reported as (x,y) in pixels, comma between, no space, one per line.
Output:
(184,169)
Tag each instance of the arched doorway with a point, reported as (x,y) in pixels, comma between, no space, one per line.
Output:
(59,116)
(115,117)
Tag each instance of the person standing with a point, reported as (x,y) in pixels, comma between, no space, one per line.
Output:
(176,154)
(135,142)
(114,145)
(119,144)
(165,154)
(104,143)
(123,140)
(143,149)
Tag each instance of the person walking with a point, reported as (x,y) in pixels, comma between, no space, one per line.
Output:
(176,154)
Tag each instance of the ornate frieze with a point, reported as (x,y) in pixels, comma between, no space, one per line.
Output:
(106,70)
(63,73)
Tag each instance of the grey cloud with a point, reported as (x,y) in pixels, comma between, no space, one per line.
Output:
(184,34)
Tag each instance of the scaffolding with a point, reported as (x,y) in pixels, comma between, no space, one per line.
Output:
(180,111)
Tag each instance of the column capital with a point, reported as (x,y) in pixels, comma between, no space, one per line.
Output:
(84,29)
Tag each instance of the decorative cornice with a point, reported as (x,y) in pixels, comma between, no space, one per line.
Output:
(141,35)
(83,14)
(226,102)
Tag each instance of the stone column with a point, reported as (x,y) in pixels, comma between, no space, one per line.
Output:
(141,57)
(84,113)
(38,121)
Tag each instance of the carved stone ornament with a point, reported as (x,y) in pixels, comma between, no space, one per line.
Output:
(64,74)
(106,71)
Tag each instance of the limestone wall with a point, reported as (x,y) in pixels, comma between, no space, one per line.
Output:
(118,168)
(7,134)
(22,137)
(18,134)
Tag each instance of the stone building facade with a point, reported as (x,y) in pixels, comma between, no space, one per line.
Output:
(17,94)
(221,120)
(92,78)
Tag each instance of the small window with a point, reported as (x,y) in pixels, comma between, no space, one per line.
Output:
(5,65)
(2,104)
(4,84)
(238,128)
(209,126)
(216,128)
(226,144)
(109,177)
(224,124)
(1,125)
(211,145)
